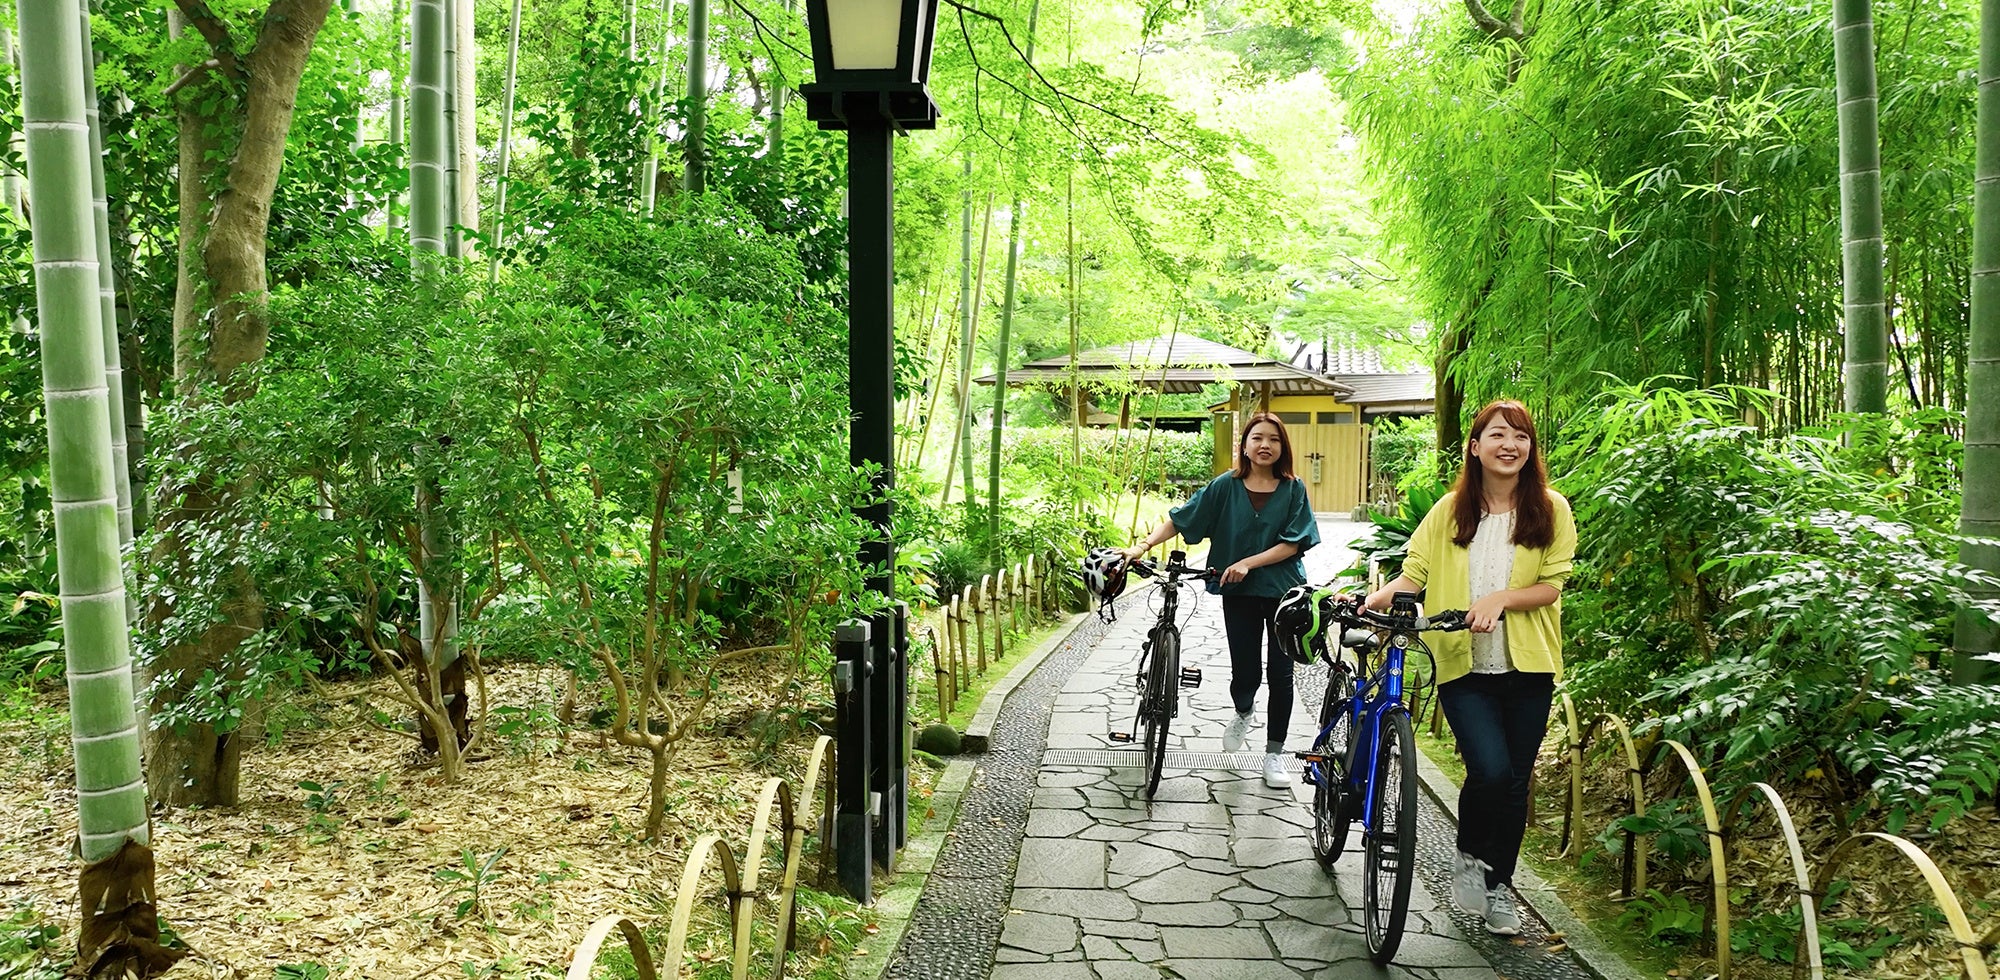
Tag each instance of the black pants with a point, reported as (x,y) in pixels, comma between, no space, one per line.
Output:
(1253,651)
(1499,721)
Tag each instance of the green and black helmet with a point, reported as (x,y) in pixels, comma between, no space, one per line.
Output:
(1301,623)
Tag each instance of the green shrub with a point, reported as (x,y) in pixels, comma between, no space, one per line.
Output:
(1786,600)
(1401,449)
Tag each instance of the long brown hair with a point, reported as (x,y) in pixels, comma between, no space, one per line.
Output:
(1534,518)
(1282,468)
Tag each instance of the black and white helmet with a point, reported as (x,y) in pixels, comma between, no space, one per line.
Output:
(1104,573)
(1300,623)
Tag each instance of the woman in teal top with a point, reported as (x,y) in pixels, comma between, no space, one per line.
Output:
(1260,522)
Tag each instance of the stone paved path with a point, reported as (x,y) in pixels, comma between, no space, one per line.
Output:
(1217,881)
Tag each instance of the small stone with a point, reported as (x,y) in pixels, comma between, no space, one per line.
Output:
(938,740)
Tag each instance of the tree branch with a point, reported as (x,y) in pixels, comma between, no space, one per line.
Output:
(1513,28)
(216,33)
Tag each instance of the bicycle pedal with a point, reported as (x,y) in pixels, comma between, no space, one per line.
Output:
(1310,757)
(1190,676)
(1121,736)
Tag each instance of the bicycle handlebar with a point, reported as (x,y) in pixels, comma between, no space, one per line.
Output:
(1176,566)
(1349,611)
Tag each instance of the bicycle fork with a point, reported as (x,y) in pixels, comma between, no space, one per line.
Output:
(1190,678)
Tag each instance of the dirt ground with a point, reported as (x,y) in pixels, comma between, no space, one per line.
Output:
(349,851)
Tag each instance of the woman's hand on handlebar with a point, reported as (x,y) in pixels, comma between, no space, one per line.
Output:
(1485,613)
(1236,573)
(1134,553)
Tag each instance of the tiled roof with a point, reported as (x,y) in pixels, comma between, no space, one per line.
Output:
(1175,365)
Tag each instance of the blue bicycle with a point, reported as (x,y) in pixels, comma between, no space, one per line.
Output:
(1362,765)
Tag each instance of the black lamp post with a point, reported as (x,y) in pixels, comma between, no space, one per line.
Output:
(871,59)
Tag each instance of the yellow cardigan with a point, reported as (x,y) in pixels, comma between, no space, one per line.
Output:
(1444,570)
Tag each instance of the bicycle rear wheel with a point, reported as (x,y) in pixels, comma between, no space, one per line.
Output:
(1162,693)
(1330,805)
(1391,846)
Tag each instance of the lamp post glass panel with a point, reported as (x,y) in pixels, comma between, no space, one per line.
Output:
(871,59)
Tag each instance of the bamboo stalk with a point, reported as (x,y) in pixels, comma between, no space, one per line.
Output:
(506,143)
(105,739)
(1865,369)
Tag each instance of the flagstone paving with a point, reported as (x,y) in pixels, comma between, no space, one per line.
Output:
(1215,880)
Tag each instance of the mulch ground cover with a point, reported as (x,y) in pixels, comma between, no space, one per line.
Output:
(348,849)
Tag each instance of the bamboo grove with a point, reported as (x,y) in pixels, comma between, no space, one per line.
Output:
(393,338)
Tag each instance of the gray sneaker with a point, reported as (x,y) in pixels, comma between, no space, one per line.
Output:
(1468,883)
(1501,919)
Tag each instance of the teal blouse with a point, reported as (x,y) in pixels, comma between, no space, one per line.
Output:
(1221,510)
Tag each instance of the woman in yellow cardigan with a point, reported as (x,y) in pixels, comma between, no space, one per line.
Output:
(1499,544)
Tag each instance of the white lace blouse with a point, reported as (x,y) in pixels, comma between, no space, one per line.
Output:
(1492,554)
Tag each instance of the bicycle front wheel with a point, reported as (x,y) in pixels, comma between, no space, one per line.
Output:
(1330,804)
(1391,848)
(1162,693)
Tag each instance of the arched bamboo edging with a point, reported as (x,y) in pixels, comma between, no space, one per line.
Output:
(1811,889)
(1971,955)
(705,847)
(1808,906)
(776,797)
(586,953)
(1573,813)
(740,884)
(1718,864)
(1633,880)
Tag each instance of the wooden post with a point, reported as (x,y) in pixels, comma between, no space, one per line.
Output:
(964,648)
(940,658)
(1034,591)
(949,688)
(979,618)
(994,598)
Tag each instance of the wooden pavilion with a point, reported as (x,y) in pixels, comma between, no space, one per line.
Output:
(1325,413)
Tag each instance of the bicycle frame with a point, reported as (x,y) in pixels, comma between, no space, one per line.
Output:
(1364,716)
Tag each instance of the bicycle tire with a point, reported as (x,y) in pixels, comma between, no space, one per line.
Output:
(1162,680)
(1331,817)
(1391,846)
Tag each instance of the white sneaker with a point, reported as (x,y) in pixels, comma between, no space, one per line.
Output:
(1233,735)
(1501,919)
(1276,774)
(1468,885)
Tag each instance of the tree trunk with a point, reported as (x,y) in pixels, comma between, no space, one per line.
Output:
(465,110)
(506,142)
(1449,404)
(1866,371)
(120,933)
(107,298)
(433,197)
(1975,641)
(993,551)
(220,325)
(696,181)
(396,21)
(966,307)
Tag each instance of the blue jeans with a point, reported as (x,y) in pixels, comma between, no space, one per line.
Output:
(1253,652)
(1498,721)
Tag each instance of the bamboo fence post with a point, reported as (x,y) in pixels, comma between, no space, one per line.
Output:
(1014,598)
(995,595)
(948,661)
(940,656)
(964,671)
(979,618)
